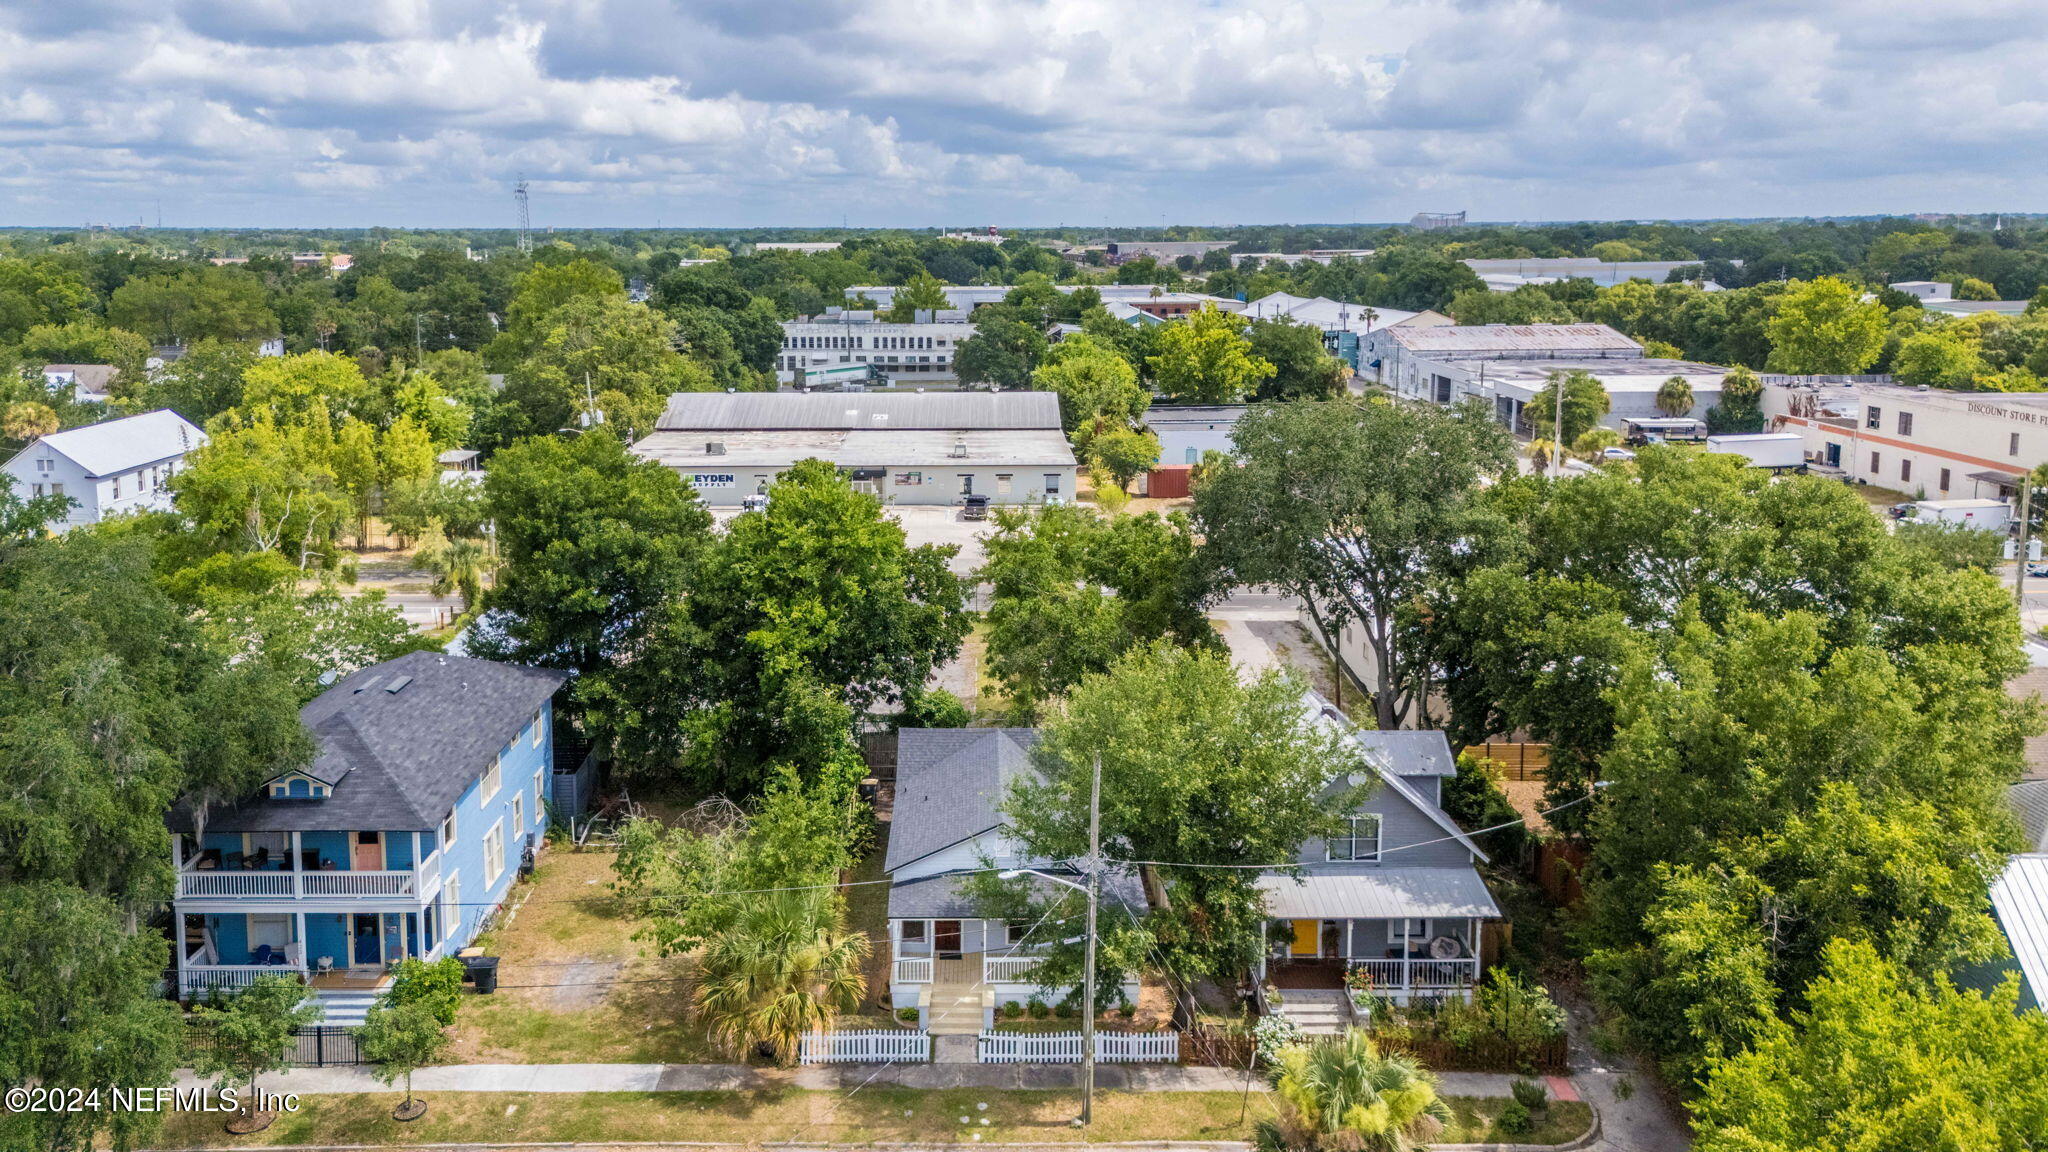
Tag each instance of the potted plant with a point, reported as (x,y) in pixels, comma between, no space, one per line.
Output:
(1359,987)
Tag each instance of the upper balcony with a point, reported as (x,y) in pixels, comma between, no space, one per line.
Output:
(204,879)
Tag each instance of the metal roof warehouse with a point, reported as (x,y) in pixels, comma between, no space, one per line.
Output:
(921,448)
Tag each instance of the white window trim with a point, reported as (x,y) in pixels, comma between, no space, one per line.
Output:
(519,811)
(539,722)
(1395,928)
(494,858)
(540,794)
(448,829)
(451,905)
(1378,830)
(494,780)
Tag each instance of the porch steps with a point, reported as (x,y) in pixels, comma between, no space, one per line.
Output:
(345,1008)
(954,1011)
(1316,1011)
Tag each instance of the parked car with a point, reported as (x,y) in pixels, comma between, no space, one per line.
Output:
(755,503)
(1899,511)
(974,508)
(1616,454)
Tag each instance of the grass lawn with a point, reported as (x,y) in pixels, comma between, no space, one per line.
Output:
(876,1113)
(574,986)
(867,910)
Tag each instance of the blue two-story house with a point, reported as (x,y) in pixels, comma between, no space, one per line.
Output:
(402,834)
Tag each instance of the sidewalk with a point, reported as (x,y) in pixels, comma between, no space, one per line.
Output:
(737,1077)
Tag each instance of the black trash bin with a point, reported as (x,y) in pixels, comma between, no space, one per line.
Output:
(483,972)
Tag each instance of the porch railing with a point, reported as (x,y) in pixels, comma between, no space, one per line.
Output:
(259,885)
(913,970)
(197,981)
(1410,973)
(1007,969)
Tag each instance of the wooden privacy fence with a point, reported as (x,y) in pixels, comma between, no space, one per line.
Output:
(317,1046)
(1521,762)
(1065,1047)
(874,1046)
(1217,1048)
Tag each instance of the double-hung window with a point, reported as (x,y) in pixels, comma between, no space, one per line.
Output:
(540,795)
(494,778)
(494,855)
(1360,840)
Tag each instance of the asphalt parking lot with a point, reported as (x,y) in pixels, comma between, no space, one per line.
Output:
(926,524)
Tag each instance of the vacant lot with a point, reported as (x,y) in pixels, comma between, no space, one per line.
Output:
(574,986)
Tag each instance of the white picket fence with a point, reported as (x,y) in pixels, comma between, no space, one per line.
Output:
(875,1046)
(1065,1047)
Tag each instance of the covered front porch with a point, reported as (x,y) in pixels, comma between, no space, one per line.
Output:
(223,952)
(1405,935)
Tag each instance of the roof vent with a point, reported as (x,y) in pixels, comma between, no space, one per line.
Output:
(398,684)
(959,450)
(714,448)
(880,418)
(366,685)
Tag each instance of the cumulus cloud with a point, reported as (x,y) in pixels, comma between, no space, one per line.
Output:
(887,112)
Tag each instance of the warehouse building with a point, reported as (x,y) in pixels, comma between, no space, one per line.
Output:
(1931,443)
(914,353)
(908,448)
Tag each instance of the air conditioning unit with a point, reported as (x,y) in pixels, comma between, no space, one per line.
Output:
(714,448)
(959,450)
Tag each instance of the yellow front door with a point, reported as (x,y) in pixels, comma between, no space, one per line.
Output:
(1308,938)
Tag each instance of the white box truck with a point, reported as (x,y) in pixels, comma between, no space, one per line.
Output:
(1773,450)
(1989,515)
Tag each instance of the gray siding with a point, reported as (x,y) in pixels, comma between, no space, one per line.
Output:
(1401,823)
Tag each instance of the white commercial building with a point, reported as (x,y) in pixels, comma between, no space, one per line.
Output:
(1509,274)
(1934,443)
(109,468)
(1145,297)
(1506,365)
(1632,387)
(907,448)
(903,353)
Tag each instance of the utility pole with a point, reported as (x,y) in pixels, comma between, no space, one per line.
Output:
(1557,427)
(1088,964)
(2019,585)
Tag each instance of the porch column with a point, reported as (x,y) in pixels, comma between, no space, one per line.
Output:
(299,922)
(178,945)
(895,946)
(1350,940)
(296,864)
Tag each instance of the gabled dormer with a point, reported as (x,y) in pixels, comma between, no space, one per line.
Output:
(297,786)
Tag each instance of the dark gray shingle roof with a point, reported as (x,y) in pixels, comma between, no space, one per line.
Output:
(399,760)
(2030,803)
(941,897)
(949,784)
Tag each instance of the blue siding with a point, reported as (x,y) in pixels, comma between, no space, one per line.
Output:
(328,931)
(474,817)
(330,845)
(327,935)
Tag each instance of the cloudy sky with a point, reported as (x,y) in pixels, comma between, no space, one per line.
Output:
(921,112)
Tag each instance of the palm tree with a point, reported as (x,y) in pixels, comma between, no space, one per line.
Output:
(458,565)
(1674,397)
(1541,451)
(1592,443)
(1343,1094)
(784,967)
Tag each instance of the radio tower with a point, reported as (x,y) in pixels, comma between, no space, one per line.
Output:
(525,216)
